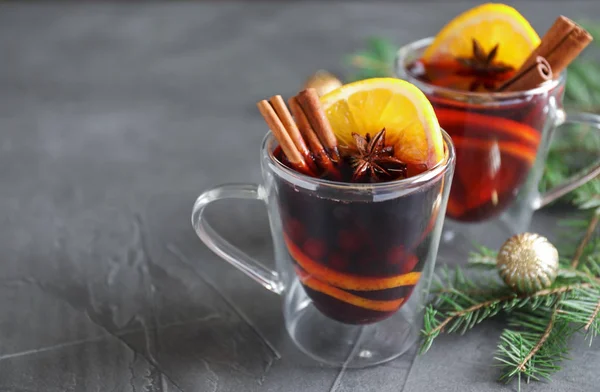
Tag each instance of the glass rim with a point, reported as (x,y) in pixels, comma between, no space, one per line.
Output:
(408,183)
(400,69)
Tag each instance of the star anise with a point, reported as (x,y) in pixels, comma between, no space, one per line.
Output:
(373,159)
(487,72)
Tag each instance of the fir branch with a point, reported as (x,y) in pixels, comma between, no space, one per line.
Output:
(534,344)
(538,340)
(582,309)
(591,268)
(592,317)
(581,275)
(587,196)
(456,309)
(483,257)
(586,238)
(462,313)
(543,338)
(562,289)
(456,283)
(376,60)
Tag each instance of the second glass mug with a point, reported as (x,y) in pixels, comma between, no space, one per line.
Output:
(501,140)
(353,261)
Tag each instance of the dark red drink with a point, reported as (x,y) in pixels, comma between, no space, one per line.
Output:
(358,260)
(496,142)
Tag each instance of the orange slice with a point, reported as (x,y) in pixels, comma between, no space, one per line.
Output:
(489,24)
(349,281)
(484,126)
(491,147)
(344,296)
(368,106)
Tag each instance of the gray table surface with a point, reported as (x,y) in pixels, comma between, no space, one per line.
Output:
(113,118)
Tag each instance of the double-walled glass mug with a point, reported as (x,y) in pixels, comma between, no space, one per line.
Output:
(353,262)
(501,141)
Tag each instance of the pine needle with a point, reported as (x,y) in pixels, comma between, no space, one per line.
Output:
(586,238)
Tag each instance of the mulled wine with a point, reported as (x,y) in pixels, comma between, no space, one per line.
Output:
(359,240)
(358,261)
(496,145)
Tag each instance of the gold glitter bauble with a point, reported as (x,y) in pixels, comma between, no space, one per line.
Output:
(323,82)
(527,262)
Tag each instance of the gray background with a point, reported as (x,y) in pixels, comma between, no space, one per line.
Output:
(113,117)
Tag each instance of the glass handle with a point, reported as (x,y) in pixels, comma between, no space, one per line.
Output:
(215,242)
(578,179)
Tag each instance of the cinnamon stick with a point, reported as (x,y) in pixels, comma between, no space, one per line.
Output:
(284,139)
(561,44)
(292,129)
(560,29)
(536,74)
(570,48)
(311,137)
(311,105)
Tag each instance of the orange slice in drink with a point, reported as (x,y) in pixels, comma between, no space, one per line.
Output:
(349,281)
(344,296)
(368,106)
(490,24)
(483,126)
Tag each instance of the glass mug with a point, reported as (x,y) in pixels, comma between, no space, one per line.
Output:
(353,261)
(501,141)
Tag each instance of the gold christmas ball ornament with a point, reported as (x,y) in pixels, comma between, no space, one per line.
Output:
(323,82)
(527,262)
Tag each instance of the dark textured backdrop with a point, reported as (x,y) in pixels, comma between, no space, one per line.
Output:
(113,117)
